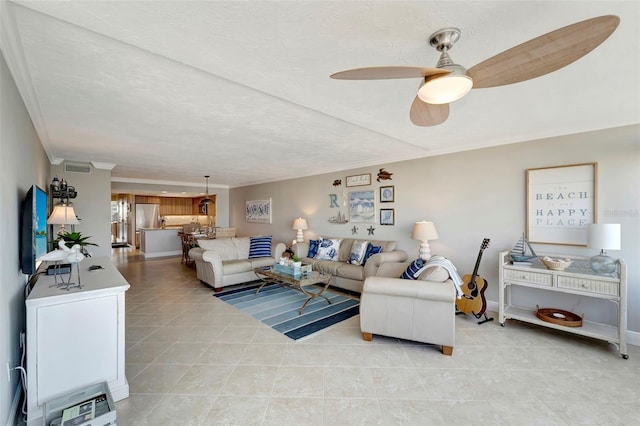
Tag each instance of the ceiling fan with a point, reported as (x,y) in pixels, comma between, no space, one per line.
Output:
(448,81)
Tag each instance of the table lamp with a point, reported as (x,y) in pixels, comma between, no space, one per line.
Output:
(62,215)
(423,232)
(603,236)
(301,225)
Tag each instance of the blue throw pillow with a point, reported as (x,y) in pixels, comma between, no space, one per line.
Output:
(313,248)
(415,266)
(371,250)
(260,247)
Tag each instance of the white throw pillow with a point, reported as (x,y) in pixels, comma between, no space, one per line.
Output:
(328,249)
(358,250)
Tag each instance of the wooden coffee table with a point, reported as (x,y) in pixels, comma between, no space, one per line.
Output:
(297,282)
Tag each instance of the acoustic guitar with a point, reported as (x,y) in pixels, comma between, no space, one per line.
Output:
(474,286)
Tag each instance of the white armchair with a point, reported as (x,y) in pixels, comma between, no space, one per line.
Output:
(421,310)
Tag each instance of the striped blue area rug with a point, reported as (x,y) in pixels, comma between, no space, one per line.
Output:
(278,307)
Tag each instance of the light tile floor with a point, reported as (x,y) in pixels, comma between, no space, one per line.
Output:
(194,360)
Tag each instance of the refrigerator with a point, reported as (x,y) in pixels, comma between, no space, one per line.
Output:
(147,216)
(120,210)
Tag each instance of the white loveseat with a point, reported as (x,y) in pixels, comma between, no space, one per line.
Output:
(223,262)
(422,310)
(348,276)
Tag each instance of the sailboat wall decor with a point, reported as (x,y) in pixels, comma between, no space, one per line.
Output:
(523,251)
(339,219)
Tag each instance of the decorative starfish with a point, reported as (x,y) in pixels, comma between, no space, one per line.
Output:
(354,230)
(371,229)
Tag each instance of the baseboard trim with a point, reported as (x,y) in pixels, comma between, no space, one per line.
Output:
(633,337)
(13,411)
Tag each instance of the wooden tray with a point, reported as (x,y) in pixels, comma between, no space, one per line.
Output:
(558,316)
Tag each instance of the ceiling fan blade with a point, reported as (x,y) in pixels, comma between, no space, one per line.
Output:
(424,114)
(380,73)
(543,54)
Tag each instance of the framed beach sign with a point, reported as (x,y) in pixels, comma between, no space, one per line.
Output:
(561,203)
(359,180)
(258,211)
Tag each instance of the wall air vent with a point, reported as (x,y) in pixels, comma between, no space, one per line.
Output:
(77,168)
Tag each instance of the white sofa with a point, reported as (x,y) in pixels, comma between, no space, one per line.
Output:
(224,262)
(347,276)
(421,310)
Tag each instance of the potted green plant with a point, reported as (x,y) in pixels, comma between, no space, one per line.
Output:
(72,238)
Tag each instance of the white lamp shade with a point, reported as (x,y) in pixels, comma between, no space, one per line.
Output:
(63,215)
(445,89)
(604,236)
(300,224)
(424,231)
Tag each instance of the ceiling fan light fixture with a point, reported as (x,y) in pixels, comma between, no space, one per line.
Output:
(445,89)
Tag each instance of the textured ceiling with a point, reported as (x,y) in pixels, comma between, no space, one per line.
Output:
(173,90)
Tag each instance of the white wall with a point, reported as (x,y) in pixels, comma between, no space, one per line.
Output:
(23,163)
(473,195)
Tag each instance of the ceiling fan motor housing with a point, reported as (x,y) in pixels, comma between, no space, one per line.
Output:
(444,38)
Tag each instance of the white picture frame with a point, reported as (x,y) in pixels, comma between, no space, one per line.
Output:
(258,211)
(561,203)
(362,206)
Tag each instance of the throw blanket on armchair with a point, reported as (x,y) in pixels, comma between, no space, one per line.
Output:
(451,269)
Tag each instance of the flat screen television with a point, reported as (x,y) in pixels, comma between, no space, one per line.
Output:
(33,229)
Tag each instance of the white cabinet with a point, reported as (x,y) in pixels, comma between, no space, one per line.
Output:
(75,337)
(578,279)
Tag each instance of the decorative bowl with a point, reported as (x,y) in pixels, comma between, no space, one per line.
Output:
(556,264)
(558,316)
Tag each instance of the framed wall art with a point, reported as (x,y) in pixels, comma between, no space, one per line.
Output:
(387,194)
(561,203)
(387,216)
(359,180)
(258,211)
(362,206)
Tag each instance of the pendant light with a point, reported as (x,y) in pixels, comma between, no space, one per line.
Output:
(206,200)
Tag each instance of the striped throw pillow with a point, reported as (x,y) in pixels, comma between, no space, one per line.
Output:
(260,247)
(410,272)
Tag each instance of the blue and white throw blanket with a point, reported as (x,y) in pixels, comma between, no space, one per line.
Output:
(451,269)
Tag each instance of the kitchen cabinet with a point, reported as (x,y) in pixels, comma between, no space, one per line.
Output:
(169,205)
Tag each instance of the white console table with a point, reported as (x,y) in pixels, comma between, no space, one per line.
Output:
(578,279)
(75,337)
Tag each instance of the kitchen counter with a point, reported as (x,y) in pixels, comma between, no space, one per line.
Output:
(157,242)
